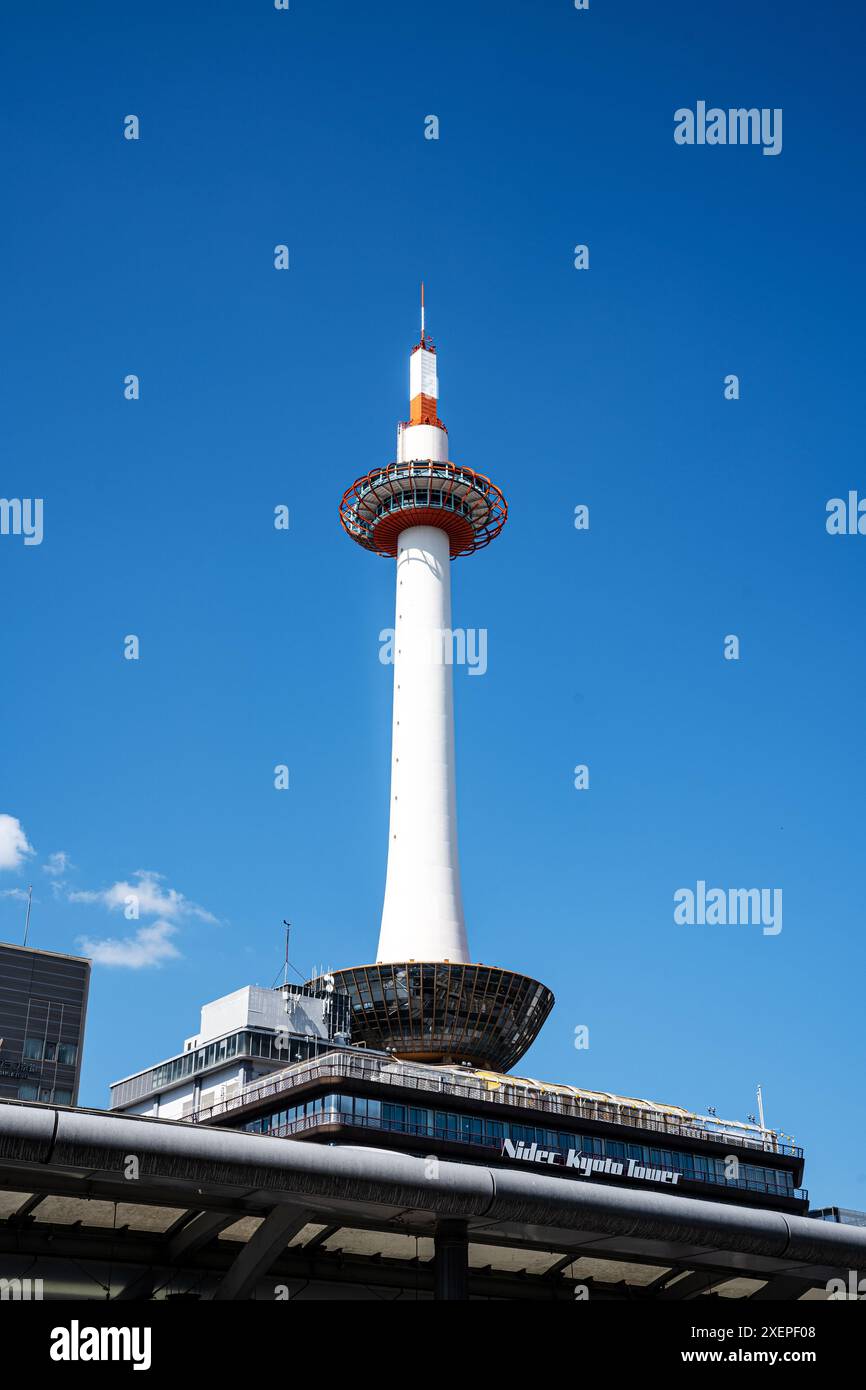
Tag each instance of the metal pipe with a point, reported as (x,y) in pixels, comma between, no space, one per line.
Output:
(286,1170)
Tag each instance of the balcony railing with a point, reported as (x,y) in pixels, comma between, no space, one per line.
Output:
(304,1123)
(350,1065)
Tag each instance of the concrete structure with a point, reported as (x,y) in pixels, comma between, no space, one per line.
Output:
(423,997)
(215,1214)
(422,918)
(43,1008)
(244,1035)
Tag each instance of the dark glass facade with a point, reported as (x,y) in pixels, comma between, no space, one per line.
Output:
(844,1215)
(442,1125)
(439,1012)
(43,1005)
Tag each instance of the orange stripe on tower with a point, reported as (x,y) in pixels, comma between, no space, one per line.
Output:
(422,410)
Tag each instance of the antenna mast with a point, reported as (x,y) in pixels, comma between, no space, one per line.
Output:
(27,918)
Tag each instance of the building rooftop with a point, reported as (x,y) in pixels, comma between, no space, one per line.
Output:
(515,1091)
(41,950)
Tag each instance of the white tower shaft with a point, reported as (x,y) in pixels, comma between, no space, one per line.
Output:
(423,913)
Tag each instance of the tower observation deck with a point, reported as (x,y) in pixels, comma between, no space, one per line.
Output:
(424,998)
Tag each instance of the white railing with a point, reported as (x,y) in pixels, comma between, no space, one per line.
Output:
(339,1065)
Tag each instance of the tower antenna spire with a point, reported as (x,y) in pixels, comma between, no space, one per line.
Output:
(422,312)
(27,918)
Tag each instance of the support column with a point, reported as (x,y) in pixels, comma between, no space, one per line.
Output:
(451,1261)
(260,1252)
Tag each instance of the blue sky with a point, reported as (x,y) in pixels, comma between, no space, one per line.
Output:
(602,387)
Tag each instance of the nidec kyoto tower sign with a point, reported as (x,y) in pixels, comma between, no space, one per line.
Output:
(587,1165)
(424,998)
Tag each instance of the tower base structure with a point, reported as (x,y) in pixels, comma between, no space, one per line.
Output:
(443,1012)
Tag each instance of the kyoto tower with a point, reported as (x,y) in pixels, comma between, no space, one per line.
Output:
(424,998)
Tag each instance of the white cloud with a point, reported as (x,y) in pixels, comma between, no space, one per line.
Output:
(58,863)
(150,946)
(19,893)
(144,897)
(14,845)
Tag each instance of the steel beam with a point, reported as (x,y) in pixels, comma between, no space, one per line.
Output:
(203,1228)
(782,1289)
(260,1251)
(693,1285)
